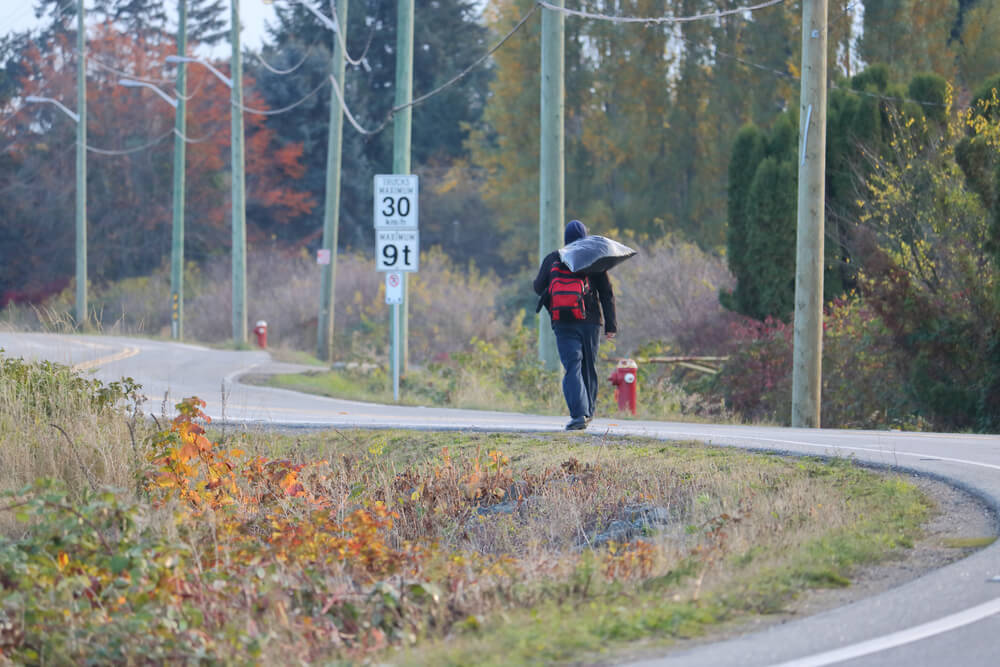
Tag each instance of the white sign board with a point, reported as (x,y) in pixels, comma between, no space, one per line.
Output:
(394,287)
(396,201)
(397,250)
(323,256)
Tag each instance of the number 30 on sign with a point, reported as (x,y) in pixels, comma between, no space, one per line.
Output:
(397,250)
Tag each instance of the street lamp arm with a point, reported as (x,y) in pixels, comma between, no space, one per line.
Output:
(131,83)
(68,112)
(324,19)
(187,59)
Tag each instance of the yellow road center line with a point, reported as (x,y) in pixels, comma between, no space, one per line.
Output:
(100,361)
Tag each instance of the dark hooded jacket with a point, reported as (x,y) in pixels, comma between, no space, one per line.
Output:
(601,297)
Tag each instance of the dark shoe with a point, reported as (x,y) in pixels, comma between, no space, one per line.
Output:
(589,418)
(577,424)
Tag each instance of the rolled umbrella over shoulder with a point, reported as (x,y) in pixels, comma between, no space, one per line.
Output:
(594,254)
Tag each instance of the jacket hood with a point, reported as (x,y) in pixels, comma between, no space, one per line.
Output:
(575,230)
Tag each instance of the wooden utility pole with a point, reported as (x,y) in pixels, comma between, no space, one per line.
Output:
(331,208)
(401,133)
(808,352)
(552,185)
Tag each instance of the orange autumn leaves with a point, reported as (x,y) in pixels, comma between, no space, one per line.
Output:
(268,509)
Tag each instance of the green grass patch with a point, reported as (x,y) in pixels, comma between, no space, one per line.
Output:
(968,542)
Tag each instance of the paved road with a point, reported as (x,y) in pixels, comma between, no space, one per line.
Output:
(948,617)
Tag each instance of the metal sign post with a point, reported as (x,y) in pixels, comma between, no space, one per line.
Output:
(397,248)
(394,297)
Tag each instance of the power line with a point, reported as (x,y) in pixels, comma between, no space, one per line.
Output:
(188,140)
(282,72)
(342,40)
(659,19)
(128,151)
(423,98)
(275,112)
(786,75)
(155,82)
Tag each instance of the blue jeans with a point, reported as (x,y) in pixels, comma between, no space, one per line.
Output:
(577,343)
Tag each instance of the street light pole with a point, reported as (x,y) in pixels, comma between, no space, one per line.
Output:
(177,235)
(177,247)
(238,186)
(331,207)
(81,169)
(237,166)
(81,202)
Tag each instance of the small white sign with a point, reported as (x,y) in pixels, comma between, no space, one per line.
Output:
(397,250)
(323,256)
(394,287)
(396,201)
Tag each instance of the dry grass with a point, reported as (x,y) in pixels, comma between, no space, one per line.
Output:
(54,423)
(504,527)
(738,532)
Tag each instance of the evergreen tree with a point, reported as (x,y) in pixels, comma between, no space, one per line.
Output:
(207,21)
(146,18)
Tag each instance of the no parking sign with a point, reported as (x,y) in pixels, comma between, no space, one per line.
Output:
(394,287)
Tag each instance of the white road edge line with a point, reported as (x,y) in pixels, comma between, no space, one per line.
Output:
(712,438)
(910,635)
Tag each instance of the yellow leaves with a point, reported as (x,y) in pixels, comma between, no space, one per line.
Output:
(62,560)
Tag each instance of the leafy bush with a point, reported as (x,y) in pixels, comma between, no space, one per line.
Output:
(503,374)
(863,372)
(863,381)
(668,293)
(756,381)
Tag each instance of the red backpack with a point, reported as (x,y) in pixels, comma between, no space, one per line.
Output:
(566,293)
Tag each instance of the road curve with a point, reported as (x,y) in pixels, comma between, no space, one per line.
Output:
(948,617)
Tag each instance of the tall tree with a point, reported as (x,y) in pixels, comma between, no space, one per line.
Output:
(911,36)
(207,21)
(447,39)
(129,166)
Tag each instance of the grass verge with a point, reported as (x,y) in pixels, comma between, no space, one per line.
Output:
(401,547)
(750,532)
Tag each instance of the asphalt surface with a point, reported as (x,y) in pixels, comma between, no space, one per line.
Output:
(948,617)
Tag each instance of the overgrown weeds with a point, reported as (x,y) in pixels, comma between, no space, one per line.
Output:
(56,423)
(350,545)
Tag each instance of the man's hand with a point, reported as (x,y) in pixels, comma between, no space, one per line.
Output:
(609,335)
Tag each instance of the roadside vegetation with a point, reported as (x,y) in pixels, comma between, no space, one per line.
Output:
(166,540)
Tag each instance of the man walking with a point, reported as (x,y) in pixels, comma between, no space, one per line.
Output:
(577,330)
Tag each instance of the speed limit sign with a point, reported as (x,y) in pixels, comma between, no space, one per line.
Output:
(397,241)
(396,201)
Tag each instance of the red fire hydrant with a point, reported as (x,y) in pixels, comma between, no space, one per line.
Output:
(625,378)
(261,331)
